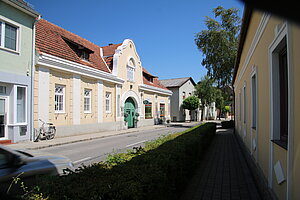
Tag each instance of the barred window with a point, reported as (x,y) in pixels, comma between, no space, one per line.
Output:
(59,98)
(108,102)
(87,100)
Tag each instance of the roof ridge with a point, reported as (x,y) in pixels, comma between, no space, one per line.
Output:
(176,78)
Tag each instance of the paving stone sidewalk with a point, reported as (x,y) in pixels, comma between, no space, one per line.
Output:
(223,172)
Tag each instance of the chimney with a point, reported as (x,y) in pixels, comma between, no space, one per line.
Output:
(101,52)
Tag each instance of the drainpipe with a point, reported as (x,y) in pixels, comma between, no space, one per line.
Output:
(32,78)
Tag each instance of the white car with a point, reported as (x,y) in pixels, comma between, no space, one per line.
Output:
(27,165)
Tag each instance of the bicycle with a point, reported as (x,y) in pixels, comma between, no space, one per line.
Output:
(46,131)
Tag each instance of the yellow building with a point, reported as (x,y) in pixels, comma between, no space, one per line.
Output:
(266,97)
(81,87)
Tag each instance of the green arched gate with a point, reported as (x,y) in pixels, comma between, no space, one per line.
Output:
(129,111)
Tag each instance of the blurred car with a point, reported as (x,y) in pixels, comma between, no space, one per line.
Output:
(27,165)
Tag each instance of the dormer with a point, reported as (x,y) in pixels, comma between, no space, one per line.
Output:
(149,77)
(81,51)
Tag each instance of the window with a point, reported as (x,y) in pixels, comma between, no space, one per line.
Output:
(85,55)
(130,73)
(148,110)
(59,98)
(162,110)
(283,92)
(245,106)
(280,90)
(8,36)
(183,95)
(21,104)
(254,103)
(130,70)
(108,102)
(2,90)
(87,101)
(240,107)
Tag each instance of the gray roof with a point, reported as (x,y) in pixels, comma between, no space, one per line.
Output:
(176,82)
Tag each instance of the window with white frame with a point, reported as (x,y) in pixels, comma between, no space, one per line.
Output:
(8,36)
(59,98)
(240,102)
(254,100)
(130,70)
(245,106)
(108,102)
(280,89)
(21,104)
(87,100)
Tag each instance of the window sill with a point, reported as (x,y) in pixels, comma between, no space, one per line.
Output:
(280,143)
(10,50)
(87,112)
(60,112)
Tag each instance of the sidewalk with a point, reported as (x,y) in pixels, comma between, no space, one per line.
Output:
(84,137)
(223,173)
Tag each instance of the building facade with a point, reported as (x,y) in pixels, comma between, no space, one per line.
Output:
(17,27)
(266,97)
(183,88)
(81,87)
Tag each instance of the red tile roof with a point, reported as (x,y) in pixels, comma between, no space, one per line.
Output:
(155,83)
(110,49)
(49,39)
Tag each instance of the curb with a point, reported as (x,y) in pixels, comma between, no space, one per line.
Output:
(86,139)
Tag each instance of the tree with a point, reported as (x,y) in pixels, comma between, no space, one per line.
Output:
(219,101)
(206,92)
(190,103)
(219,44)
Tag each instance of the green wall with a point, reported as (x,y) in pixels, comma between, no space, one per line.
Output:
(17,63)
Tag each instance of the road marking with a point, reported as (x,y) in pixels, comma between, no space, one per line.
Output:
(129,145)
(81,160)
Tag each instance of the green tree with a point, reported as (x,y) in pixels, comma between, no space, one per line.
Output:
(219,101)
(206,92)
(219,44)
(190,103)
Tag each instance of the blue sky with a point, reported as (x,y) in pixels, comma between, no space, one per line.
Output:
(162,30)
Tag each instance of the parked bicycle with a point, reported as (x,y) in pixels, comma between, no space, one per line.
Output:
(46,131)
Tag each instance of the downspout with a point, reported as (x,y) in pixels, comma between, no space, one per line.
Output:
(32,78)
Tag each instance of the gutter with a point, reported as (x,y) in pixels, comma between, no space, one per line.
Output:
(245,24)
(32,78)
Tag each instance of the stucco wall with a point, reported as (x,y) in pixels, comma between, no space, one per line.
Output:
(19,62)
(262,33)
(188,88)
(295,32)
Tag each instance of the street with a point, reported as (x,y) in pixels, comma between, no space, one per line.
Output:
(91,151)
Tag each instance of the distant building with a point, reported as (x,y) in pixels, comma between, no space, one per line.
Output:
(266,85)
(183,88)
(17,46)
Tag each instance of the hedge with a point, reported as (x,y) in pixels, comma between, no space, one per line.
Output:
(161,170)
(227,124)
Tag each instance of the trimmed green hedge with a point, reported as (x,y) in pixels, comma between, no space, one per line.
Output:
(161,170)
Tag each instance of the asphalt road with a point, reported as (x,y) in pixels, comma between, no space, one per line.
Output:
(88,152)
